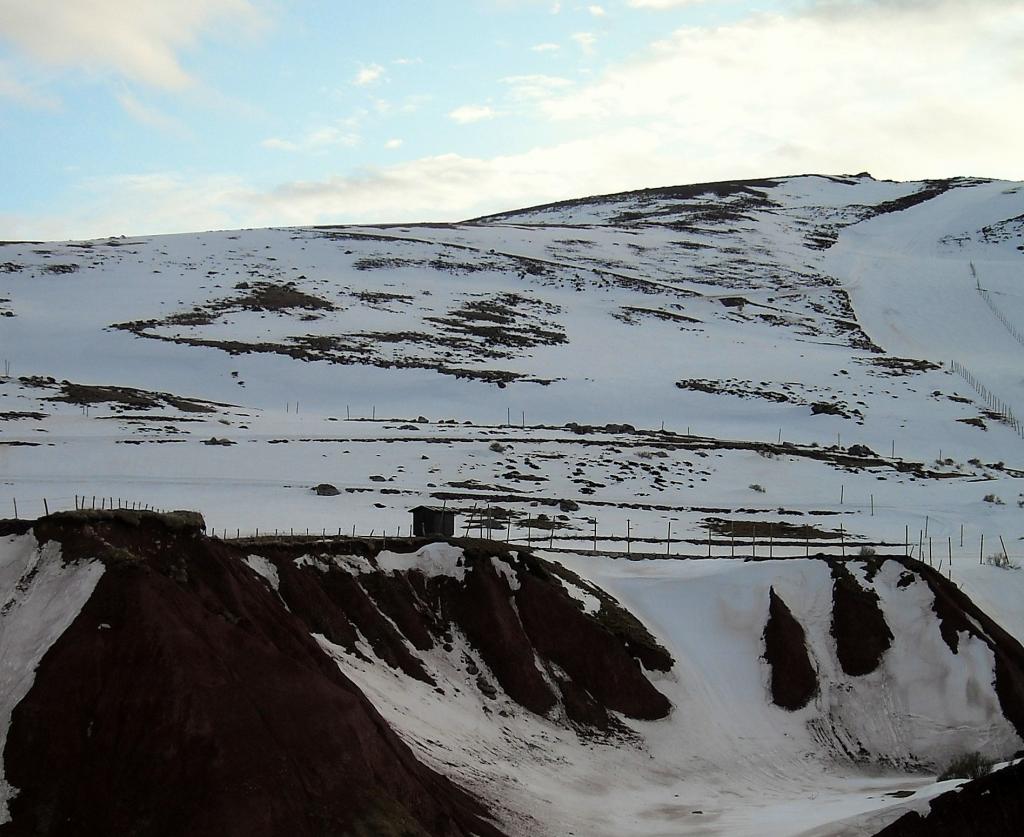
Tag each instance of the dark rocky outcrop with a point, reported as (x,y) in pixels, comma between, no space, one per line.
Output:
(992,806)
(191,696)
(595,660)
(794,681)
(540,646)
(184,699)
(858,625)
(958,614)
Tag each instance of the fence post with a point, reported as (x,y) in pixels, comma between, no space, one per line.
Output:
(981,549)
(15,508)
(46,507)
(1006,554)
(668,539)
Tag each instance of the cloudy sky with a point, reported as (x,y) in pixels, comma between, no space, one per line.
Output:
(173,115)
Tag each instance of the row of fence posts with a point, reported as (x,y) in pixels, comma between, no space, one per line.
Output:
(985,295)
(995,403)
(100,502)
(925,540)
(769,544)
(82,502)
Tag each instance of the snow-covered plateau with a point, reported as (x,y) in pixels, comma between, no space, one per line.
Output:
(737,471)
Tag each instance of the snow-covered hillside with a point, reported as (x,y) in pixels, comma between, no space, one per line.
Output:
(773,369)
(766,326)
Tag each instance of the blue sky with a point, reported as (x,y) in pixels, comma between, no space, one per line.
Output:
(175,115)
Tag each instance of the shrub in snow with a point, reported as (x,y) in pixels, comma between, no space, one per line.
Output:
(497,447)
(999,559)
(967,766)
(758,488)
(994,499)
(866,551)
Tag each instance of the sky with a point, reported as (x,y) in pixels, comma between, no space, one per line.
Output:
(156,116)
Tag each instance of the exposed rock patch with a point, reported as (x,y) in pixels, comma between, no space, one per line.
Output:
(794,681)
(858,624)
(991,806)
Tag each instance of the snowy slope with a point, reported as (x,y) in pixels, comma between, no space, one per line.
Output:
(727,760)
(728,370)
(727,312)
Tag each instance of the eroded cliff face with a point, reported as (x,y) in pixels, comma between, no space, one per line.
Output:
(192,692)
(185,699)
(553,643)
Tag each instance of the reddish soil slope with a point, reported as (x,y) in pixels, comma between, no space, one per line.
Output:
(184,699)
(542,648)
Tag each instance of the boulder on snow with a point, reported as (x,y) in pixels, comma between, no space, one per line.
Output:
(325,489)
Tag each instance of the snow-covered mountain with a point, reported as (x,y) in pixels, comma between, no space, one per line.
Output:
(774,369)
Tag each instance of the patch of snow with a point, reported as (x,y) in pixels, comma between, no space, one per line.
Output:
(507,571)
(435,559)
(264,567)
(41,598)
(591,603)
(312,561)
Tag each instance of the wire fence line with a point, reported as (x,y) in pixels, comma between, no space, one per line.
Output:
(752,541)
(77,502)
(996,404)
(996,310)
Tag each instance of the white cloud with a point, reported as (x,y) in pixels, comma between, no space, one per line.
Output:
(908,88)
(446,187)
(319,139)
(545,47)
(393,144)
(597,11)
(451,186)
(535,86)
(149,115)
(368,75)
(472,113)
(139,42)
(18,91)
(586,41)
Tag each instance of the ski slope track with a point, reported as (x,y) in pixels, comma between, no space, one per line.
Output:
(738,477)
